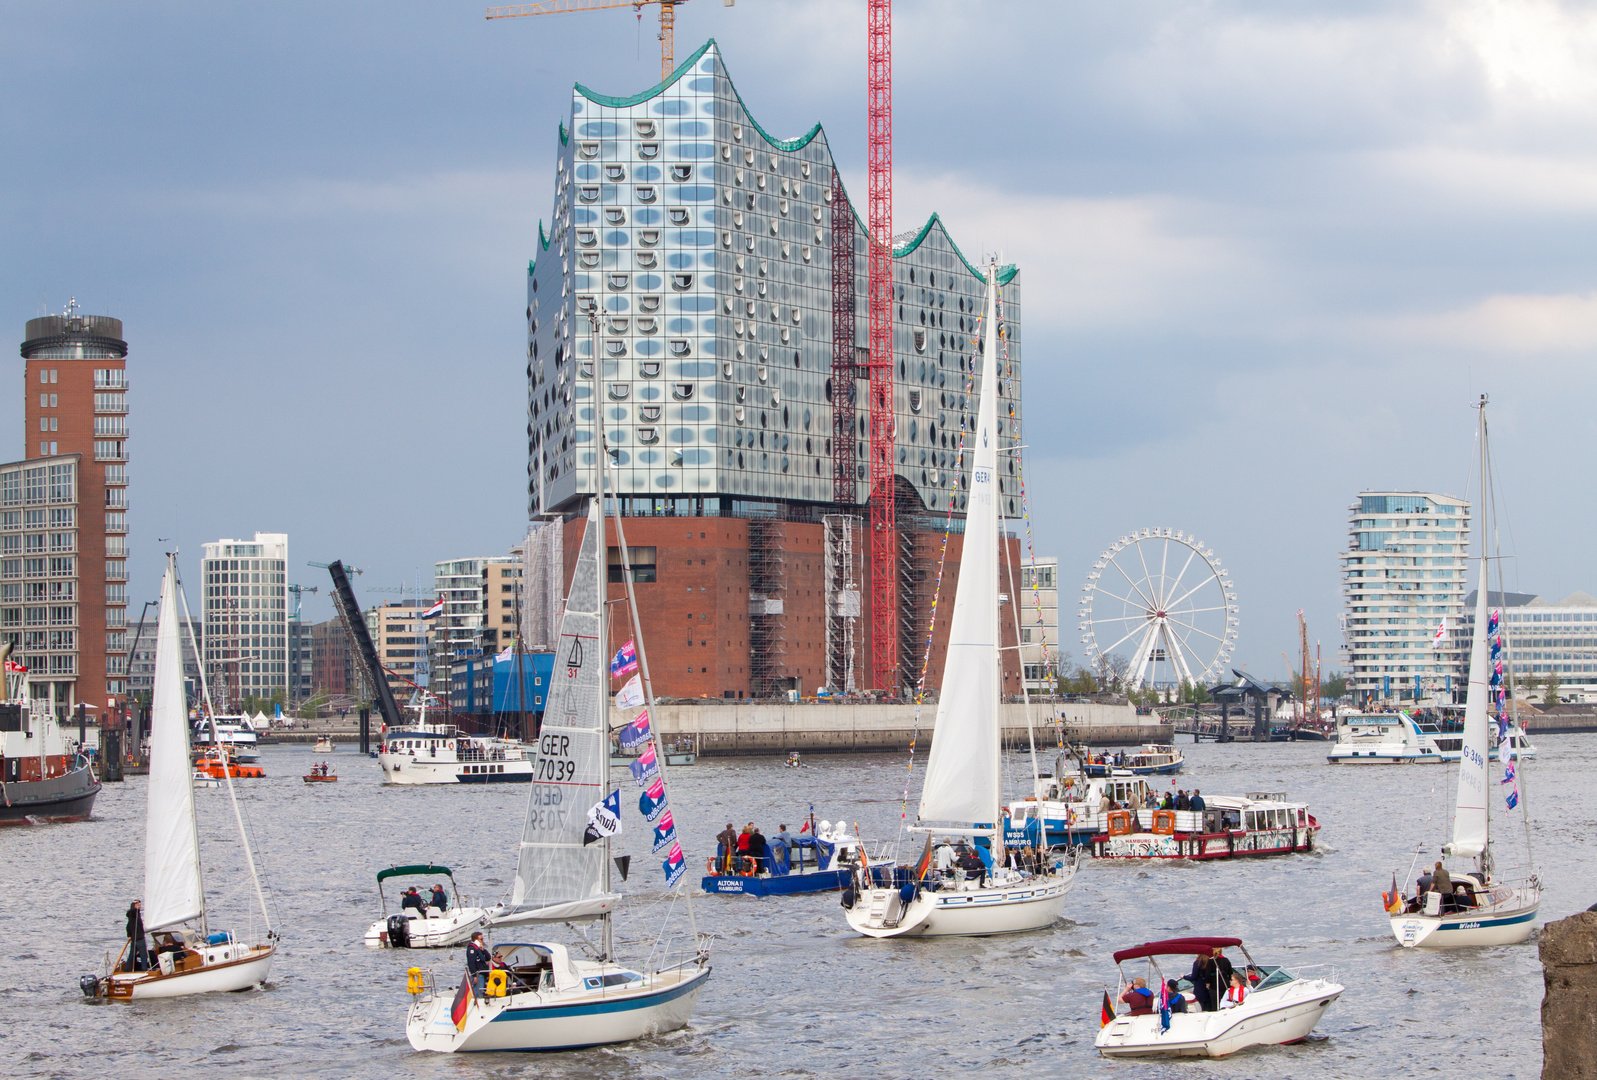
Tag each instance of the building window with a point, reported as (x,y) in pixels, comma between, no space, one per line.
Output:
(110,403)
(111,450)
(110,425)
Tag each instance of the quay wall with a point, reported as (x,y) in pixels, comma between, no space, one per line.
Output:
(776,728)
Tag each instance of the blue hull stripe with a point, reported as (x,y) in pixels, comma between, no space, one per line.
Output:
(626,1004)
(1481,924)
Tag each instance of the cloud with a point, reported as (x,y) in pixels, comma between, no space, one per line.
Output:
(1511,324)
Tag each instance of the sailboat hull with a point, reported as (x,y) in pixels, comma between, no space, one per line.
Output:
(1465,929)
(556,1020)
(222,972)
(978,912)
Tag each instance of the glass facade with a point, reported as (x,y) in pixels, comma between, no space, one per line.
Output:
(245,618)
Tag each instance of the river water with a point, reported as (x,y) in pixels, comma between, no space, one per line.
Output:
(793,992)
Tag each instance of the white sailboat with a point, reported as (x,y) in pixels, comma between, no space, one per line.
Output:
(542,997)
(1480,909)
(188,957)
(963,784)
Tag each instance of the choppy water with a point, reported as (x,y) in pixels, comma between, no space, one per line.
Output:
(793,993)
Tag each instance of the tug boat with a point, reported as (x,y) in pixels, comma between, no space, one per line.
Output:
(1229,827)
(218,764)
(1280,1006)
(43,775)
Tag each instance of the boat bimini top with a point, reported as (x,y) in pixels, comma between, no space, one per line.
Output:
(416,870)
(1186,946)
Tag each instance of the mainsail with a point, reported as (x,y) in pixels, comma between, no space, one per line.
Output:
(559,878)
(962,772)
(173,892)
(1469,814)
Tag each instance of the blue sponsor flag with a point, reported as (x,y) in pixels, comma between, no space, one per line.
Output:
(665,832)
(625,661)
(645,767)
(675,865)
(635,734)
(652,803)
(1513,797)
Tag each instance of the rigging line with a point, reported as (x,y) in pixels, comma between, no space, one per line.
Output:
(1036,592)
(1014,592)
(1513,706)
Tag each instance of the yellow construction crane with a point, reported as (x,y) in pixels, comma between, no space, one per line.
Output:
(561,7)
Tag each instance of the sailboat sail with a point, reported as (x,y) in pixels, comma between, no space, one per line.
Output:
(559,877)
(962,771)
(1469,814)
(173,892)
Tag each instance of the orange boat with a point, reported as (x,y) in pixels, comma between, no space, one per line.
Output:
(217,766)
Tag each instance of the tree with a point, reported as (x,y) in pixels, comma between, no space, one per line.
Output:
(1111,669)
(1550,689)
(1334,687)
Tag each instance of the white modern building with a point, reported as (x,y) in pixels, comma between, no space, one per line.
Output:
(1544,638)
(456,634)
(1039,625)
(1403,574)
(246,618)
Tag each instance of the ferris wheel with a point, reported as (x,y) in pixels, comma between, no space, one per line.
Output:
(1160,600)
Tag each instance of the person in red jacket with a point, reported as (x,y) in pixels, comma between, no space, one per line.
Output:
(1139,997)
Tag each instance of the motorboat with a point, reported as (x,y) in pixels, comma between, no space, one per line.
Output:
(189,957)
(681,751)
(423,753)
(1477,906)
(1152,759)
(219,763)
(993,892)
(321,773)
(206,780)
(1279,1005)
(238,734)
(820,861)
(426,926)
(1069,806)
(1228,827)
(44,775)
(538,996)
(324,745)
(1399,738)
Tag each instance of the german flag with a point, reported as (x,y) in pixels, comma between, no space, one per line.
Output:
(464,996)
(1108,1010)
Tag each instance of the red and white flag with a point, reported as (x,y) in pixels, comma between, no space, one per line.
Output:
(1441,634)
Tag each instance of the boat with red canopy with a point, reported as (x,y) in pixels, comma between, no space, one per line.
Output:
(1207,1012)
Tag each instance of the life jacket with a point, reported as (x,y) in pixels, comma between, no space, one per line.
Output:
(1236,994)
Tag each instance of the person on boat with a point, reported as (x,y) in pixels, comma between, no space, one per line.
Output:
(1183,802)
(1423,886)
(1139,997)
(1178,1000)
(478,961)
(743,844)
(1236,993)
(726,844)
(1202,978)
(757,849)
(971,863)
(138,952)
(1169,802)
(1442,882)
(440,899)
(412,899)
(944,858)
(1196,802)
(784,840)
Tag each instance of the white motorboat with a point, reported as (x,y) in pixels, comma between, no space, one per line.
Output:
(189,958)
(238,734)
(324,745)
(424,925)
(1069,804)
(1400,738)
(425,753)
(1479,908)
(1279,1005)
(963,783)
(539,997)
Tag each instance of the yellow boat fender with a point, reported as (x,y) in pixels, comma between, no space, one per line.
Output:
(414,983)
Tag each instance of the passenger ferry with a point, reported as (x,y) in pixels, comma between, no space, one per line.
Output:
(1396,738)
(1070,807)
(1154,759)
(441,754)
(237,733)
(1229,826)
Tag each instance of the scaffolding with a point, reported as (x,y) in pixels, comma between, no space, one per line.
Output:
(842,600)
(767,622)
(543,595)
(844,474)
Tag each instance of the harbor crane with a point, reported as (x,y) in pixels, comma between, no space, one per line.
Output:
(297,590)
(668,16)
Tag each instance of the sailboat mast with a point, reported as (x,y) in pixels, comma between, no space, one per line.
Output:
(601,570)
(1484,859)
(986,413)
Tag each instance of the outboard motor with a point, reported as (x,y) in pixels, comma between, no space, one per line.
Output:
(90,985)
(398,932)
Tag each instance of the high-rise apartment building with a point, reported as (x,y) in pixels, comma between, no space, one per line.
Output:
(74,610)
(1403,575)
(301,662)
(1038,612)
(457,633)
(716,277)
(246,618)
(335,669)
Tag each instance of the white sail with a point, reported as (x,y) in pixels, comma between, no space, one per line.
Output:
(1469,813)
(558,878)
(173,892)
(962,771)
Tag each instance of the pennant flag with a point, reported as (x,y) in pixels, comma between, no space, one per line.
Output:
(436,610)
(625,661)
(804,828)
(463,998)
(1108,1010)
(1513,797)
(652,802)
(1508,772)
(665,831)
(630,696)
(645,767)
(623,864)
(636,733)
(675,865)
(604,819)
(1441,634)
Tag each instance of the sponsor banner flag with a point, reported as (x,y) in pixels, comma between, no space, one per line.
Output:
(645,767)
(652,803)
(1513,796)
(635,734)
(665,831)
(625,661)
(675,865)
(630,696)
(604,819)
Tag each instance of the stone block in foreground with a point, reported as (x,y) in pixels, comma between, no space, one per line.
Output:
(1568,950)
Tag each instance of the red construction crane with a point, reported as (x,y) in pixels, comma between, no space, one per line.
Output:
(879,298)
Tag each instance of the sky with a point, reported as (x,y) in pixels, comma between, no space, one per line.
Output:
(1271,254)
